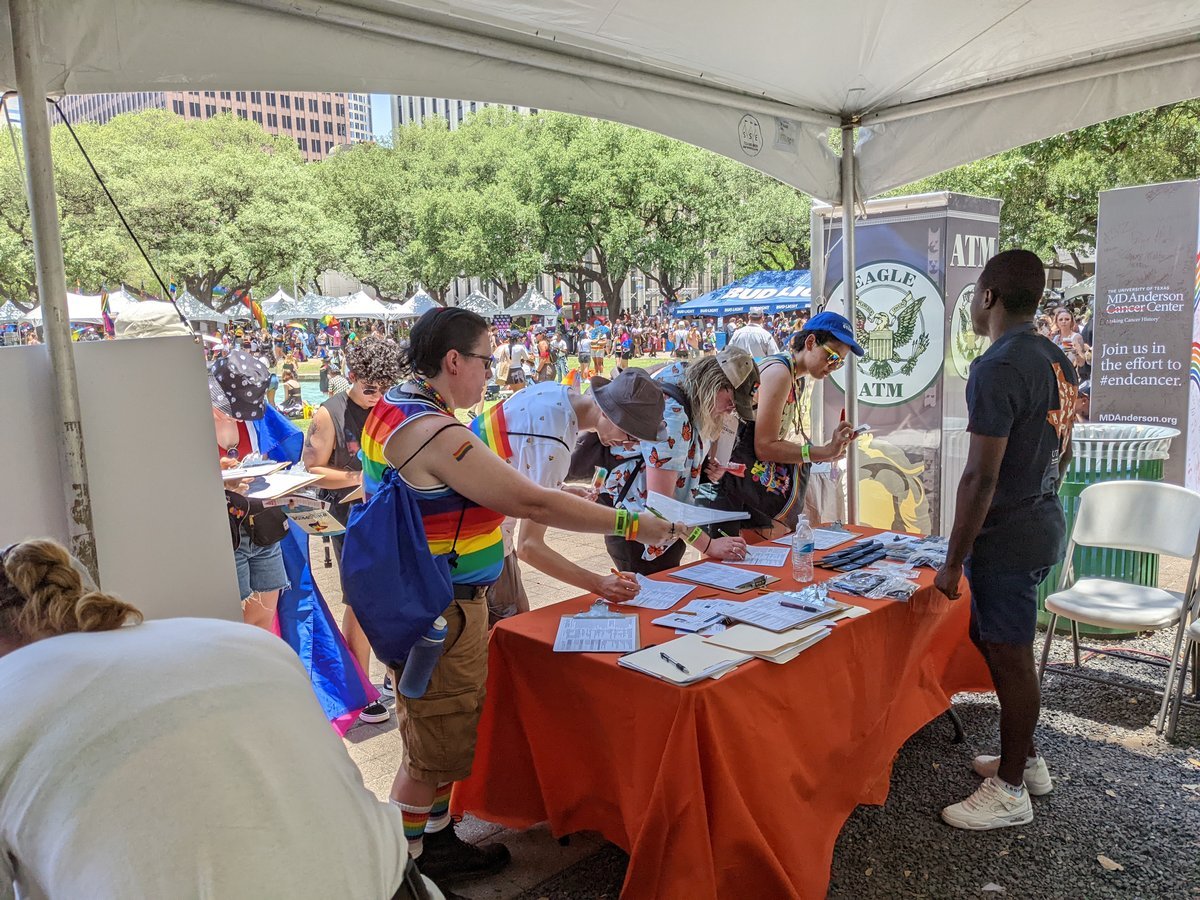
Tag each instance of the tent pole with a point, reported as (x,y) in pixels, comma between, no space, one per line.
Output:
(52,279)
(851,299)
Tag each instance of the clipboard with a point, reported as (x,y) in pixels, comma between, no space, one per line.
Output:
(598,630)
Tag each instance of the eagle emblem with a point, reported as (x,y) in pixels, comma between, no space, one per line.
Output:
(883,334)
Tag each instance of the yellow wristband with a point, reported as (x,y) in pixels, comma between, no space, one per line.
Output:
(694,535)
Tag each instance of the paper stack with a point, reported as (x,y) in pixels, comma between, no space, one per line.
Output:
(774,647)
(685,660)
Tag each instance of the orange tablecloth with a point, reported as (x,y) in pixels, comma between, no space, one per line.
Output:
(736,787)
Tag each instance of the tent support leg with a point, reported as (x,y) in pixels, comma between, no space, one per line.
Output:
(52,279)
(851,298)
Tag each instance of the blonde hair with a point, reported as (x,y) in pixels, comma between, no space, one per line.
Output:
(42,595)
(703,380)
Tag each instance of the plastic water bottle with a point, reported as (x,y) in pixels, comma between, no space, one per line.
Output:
(802,552)
(418,669)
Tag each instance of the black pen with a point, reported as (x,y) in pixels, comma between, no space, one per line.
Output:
(798,606)
(680,666)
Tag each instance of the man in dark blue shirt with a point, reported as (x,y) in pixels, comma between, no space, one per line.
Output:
(1009,527)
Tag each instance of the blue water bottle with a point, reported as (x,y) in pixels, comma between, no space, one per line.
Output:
(418,669)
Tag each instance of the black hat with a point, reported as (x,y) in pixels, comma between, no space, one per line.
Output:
(238,386)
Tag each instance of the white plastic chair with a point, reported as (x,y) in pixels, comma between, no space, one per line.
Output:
(1143,516)
(1192,636)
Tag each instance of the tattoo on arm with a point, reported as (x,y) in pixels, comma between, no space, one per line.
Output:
(461,453)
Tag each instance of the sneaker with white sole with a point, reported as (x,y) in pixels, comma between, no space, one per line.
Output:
(388,689)
(1036,777)
(374,713)
(991,806)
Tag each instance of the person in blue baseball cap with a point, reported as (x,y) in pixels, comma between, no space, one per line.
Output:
(773,447)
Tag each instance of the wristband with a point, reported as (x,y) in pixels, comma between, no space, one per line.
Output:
(694,535)
(632,533)
(622,524)
(806,452)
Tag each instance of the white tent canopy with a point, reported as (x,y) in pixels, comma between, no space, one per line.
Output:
(277,301)
(85,308)
(416,306)
(1085,288)
(10,312)
(478,303)
(360,305)
(195,311)
(532,303)
(932,83)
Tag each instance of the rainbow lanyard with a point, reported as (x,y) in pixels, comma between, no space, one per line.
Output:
(425,387)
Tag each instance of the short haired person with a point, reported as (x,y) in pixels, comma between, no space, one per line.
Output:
(464,492)
(518,353)
(331,451)
(600,336)
(699,396)
(1009,528)
(777,465)
(753,337)
(200,765)
(535,431)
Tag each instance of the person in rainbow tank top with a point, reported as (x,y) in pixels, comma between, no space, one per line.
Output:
(464,492)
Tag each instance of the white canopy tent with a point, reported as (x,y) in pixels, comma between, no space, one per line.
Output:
(195,311)
(361,305)
(478,303)
(532,303)
(1085,288)
(914,87)
(10,313)
(279,300)
(85,308)
(416,306)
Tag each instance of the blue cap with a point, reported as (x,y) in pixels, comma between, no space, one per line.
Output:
(838,326)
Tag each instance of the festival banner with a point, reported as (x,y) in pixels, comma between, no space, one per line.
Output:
(917,261)
(1146,338)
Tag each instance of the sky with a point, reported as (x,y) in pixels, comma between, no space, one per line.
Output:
(381,115)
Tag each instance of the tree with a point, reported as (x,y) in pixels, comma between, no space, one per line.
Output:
(770,227)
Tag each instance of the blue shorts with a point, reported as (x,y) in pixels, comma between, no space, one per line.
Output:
(259,569)
(1003,603)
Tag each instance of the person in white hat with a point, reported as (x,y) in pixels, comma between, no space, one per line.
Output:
(753,337)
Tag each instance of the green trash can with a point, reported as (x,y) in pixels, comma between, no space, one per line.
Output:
(1108,452)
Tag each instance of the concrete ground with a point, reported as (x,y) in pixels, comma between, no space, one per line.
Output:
(1122,822)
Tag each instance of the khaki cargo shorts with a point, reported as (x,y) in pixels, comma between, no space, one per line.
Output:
(439,729)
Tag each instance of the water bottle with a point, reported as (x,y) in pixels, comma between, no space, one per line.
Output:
(418,668)
(802,552)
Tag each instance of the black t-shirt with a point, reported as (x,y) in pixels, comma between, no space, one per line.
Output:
(1023,388)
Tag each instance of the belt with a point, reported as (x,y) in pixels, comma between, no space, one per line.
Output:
(412,887)
(470,591)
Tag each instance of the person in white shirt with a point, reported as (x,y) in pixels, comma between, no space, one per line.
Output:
(753,337)
(542,425)
(200,764)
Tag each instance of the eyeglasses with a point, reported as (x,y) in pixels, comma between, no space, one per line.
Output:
(835,359)
(370,390)
(487,360)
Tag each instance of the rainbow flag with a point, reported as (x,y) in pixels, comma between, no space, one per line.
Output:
(256,311)
(105,313)
(492,429)
(558,294)
(572,379)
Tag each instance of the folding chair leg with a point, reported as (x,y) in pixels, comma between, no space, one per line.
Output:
(1075,640)
(1188,656)
(1046,646)
(1162,711)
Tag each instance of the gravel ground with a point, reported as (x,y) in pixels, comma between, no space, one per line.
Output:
(1120,792)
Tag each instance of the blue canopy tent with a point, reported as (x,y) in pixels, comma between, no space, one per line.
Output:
(773,290)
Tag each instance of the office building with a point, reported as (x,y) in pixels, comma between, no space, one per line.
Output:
(409,110)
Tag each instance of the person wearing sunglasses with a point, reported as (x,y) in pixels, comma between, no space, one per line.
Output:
(773,446)
(331,451)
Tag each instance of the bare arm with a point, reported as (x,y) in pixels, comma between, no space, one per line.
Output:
(663,482)
(458,458)
(975,492)
(533,549)
(318,450)
(768,445)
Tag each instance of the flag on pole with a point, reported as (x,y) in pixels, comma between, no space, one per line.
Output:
(558,294)
(104,312)
(256,311)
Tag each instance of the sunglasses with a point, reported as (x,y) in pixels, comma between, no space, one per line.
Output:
(487,360)
(835,359)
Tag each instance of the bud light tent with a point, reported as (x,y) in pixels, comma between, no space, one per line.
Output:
(772,290)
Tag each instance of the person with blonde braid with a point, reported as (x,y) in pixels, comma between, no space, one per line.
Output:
(198,764)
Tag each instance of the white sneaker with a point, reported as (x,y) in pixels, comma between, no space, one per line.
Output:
(1036,777)
(374,713)
(992,806)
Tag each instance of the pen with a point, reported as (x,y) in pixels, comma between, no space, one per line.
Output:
(623,576)
(680,666)
(811,609)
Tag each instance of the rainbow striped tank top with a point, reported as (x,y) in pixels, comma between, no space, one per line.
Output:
(444,511)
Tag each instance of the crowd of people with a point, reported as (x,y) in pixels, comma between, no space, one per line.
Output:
(485,492)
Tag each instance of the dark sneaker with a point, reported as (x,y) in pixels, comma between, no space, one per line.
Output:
(447,859)
(388,689)
(375,713)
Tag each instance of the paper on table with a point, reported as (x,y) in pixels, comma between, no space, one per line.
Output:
(689,623)
(763,555)
(748,639)
(658,594)
(724,607)
(823,538)
(672,509)
(701,659)
(768,612)
(596,634)
(278,484)
(728,578)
